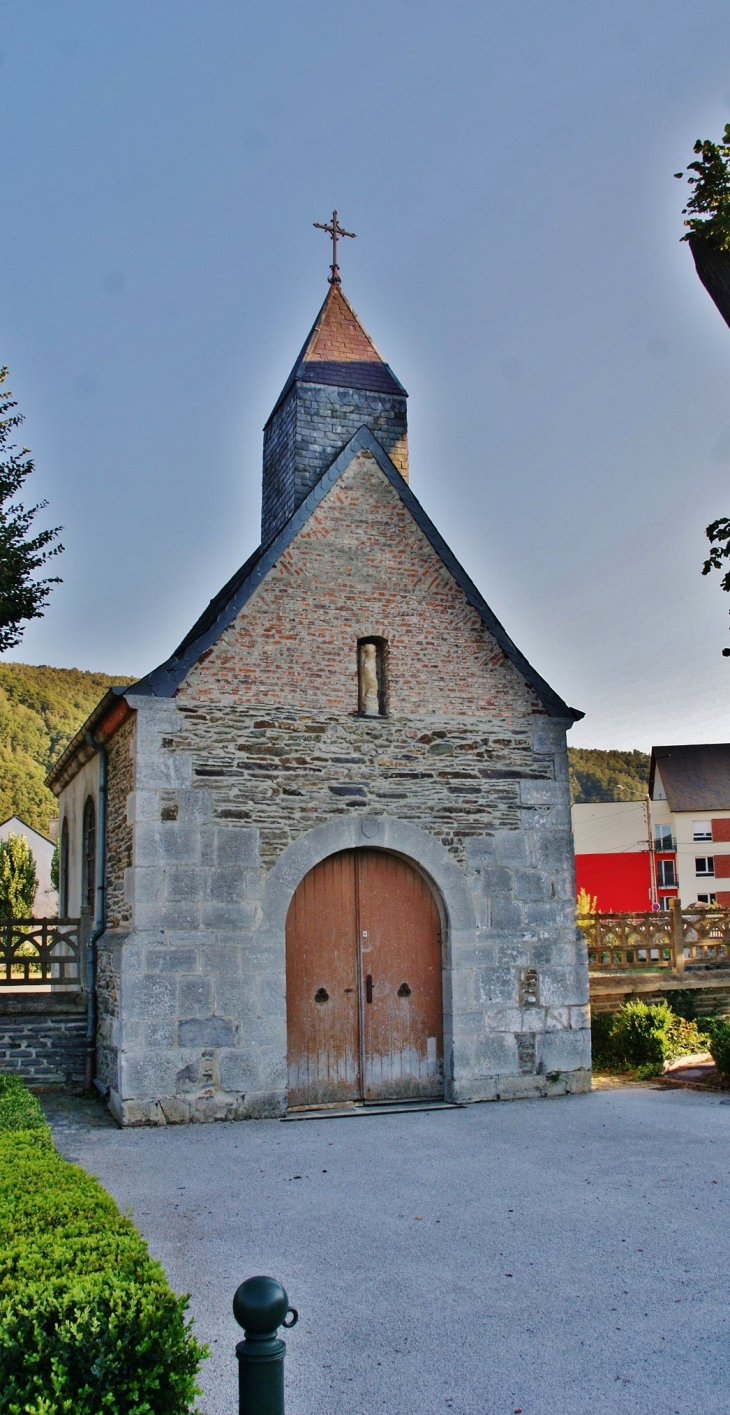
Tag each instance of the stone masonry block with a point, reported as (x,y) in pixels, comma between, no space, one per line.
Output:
(196,997)
(494,1053)
(182,915)
(205,1032)
(163,770)
(223,959)
(236,997)
(157,1034)
(171,960)
(236,845)
(229,917)
(497,986)
(507,915)
(239,1070)
(496,880)
(144,886)
(562,987)
(165,842)
(186,882)
(143,806)
(480,849)
(564,1051)
(552,849)
(542,793)
(227,884)
(150,997)
(510,847)
(531,884)
(195,804)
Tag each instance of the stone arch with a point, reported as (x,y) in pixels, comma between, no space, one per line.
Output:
(384,833)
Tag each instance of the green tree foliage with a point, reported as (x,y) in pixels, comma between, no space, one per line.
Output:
(18,879)
(708,208)
(597,775)
(41,709)
(22,596)
(718,534)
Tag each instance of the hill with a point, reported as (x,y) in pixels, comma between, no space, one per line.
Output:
(597,775)
(40,711)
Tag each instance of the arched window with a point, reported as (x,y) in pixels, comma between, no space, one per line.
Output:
(88,856)
(63,872)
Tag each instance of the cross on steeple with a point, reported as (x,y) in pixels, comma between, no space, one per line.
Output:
(333,230)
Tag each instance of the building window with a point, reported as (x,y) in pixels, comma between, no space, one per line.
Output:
(666,877)
(705,865)
(371,677)
(702,830)
(88,856)
(663,837)
(706,898)
(63,871)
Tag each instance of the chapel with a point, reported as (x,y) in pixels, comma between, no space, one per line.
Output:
(325,847)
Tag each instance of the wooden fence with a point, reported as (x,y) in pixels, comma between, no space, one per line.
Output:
(47,954)
(680,940)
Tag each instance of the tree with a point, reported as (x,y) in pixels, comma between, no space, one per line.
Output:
(22,597)
(18,879)
(708,208)
(718,534)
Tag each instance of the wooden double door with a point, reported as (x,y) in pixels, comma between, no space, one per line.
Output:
(363,978)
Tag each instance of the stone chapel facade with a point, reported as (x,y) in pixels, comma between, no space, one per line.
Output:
(333,836)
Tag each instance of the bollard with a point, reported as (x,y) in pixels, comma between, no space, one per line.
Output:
(260,1306)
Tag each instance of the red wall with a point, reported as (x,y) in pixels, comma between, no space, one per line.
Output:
(621,882)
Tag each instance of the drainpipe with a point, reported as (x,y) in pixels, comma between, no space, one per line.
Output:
(99,918)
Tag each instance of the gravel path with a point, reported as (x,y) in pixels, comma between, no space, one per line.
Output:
(561,1257)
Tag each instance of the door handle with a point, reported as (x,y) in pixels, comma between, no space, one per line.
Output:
(369,988)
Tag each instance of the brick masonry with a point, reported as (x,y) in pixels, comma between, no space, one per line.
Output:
(261,766)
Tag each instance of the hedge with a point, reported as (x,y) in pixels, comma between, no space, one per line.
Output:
(88,1322)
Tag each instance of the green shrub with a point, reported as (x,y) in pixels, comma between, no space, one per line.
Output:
(19,1110)
(602,1051)
(720,1046)
(88,1322)
(642,1036)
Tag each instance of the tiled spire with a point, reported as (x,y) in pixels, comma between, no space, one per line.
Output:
(338,384)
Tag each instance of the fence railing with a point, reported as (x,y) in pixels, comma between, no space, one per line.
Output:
(42,953)
(677,939)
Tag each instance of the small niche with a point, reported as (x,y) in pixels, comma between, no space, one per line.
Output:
(371,677)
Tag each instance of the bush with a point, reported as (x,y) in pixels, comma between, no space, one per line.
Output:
(88,1322)
(19,1110)
(642,1036)
(720,1046)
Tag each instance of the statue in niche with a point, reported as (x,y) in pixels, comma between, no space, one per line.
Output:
(368,680)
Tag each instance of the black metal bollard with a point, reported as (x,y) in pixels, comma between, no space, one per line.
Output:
(260,1306)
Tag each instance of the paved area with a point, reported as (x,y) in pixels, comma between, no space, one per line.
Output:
(562,1257)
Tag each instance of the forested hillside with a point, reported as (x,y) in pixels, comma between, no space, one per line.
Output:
(597,775)
(40,711)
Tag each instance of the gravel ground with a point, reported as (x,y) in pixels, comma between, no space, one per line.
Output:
(560,1257)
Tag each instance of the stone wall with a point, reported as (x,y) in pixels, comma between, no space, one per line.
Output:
(308,432)
(120,783)
(43,1039)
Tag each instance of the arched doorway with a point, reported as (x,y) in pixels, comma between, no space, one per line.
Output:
(364,990)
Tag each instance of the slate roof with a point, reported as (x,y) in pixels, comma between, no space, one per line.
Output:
(223,609)
(339,351)
(695,778)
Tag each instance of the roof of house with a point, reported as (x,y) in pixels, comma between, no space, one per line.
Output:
(338,350)
(223,609)
(695,778)
(18,820)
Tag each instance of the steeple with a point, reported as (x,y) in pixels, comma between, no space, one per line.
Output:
(338,384)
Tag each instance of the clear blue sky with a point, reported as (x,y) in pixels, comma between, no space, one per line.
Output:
(508,170)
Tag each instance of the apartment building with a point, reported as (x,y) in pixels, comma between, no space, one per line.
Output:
(636,855)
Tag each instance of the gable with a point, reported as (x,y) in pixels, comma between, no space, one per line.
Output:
(166,680)
(360,566)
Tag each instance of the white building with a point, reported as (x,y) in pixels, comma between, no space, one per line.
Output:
(689,800)
(46,900)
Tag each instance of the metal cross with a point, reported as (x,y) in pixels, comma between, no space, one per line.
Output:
(333,230)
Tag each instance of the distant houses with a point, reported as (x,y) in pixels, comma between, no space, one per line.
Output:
(639,855)
(46,900)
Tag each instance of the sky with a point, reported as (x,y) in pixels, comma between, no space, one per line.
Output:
(508,169)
